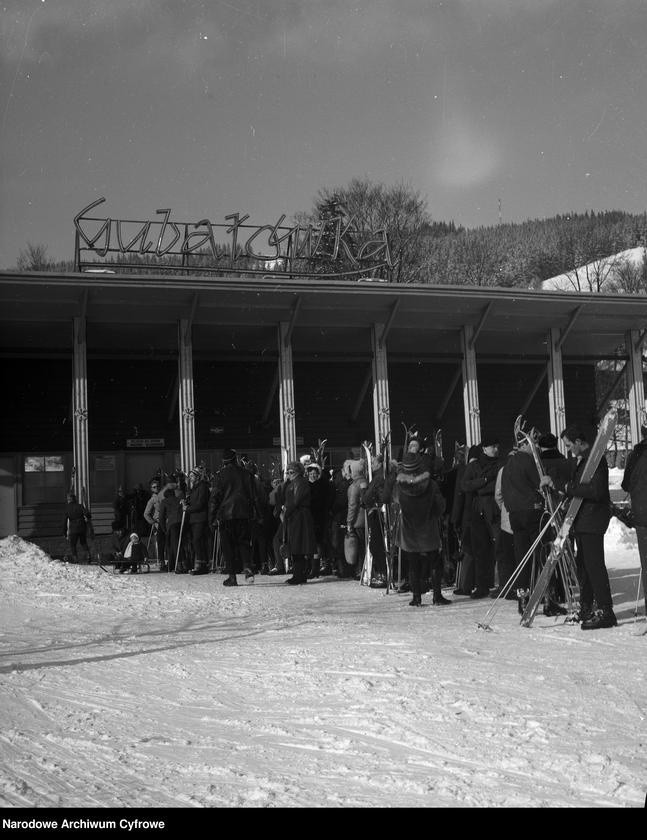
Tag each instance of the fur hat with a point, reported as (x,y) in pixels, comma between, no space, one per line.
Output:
(548,441)
(474,452)
(313,465)
(297,466)
(228,455)
(305,459)
(411,462)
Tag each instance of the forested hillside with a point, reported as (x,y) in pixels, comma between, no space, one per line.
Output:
(433,251)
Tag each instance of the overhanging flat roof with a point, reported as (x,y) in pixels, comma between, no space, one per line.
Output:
(233,316)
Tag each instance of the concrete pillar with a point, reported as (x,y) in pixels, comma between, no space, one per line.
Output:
(186,410)
(80,445)
(636,389)
(381,404)
(470,387)
(556,403)
(286,397)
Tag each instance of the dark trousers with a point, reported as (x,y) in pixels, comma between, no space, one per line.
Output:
(505,557)
(483,541)
(200,543)
(591,571)
(78,538)
(172,539)
(235,543)
(418,565)
(525,525)
(376,543)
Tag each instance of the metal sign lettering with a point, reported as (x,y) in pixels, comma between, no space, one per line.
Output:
(334,247)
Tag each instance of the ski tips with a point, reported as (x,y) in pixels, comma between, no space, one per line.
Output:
(483,626)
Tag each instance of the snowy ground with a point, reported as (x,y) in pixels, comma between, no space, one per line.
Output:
(171,691)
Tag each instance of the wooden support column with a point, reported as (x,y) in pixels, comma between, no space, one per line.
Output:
(636,391)
(556,403)
(286,396)
(185,396)
(80,446)
(470,387)
(380,375)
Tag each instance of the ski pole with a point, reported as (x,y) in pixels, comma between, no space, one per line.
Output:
(179,540)
(640,575)
(513,577)
(213,550)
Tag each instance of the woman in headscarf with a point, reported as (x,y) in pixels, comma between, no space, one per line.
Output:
(418,534)
(297,520)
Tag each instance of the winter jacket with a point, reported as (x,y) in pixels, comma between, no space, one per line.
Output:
(355,515)
(298,522)
(76,517)
(421,505)
(197,502)
(595,512)
(232,496)
(520,483)
(634,482)
(170,512)
(480,480)
(152,509)
(498,498)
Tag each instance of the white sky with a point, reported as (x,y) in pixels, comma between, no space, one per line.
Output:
(252,106)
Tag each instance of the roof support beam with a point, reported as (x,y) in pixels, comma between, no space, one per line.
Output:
(543,373)
(477,330)
(289,328)
(448,394)
(380,377)
(605,400)
(270,396)
(470,387)
(564,333)
(389,323)
(641,339)
(362,394)
(556,404)
(636,390)
(189,321)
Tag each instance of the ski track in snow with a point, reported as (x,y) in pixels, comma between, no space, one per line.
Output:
(168,691)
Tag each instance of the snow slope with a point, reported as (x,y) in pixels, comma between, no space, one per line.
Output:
(600,275)
(171,691)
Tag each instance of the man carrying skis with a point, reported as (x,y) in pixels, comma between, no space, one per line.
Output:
(589,527)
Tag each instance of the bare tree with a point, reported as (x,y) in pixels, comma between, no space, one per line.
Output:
(33,258)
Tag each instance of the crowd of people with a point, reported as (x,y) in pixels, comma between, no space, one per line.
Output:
(473,526)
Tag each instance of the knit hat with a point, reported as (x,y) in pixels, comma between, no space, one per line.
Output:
(134,537)
(474,452)
(228,455)
(313,466)
(411,462)
(548,441)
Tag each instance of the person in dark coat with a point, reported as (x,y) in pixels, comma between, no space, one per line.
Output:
(135,554)
(231,510)
(75,525)
(340,483)
(372,501)
(320,505)
(589,527)
(196,505)
(121,509)
(485,516)
(298,521)
(634,482)
(525,505)
(169,524)
(461,519)
(418,532)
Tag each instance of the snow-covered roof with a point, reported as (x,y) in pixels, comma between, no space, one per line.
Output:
(608,274)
